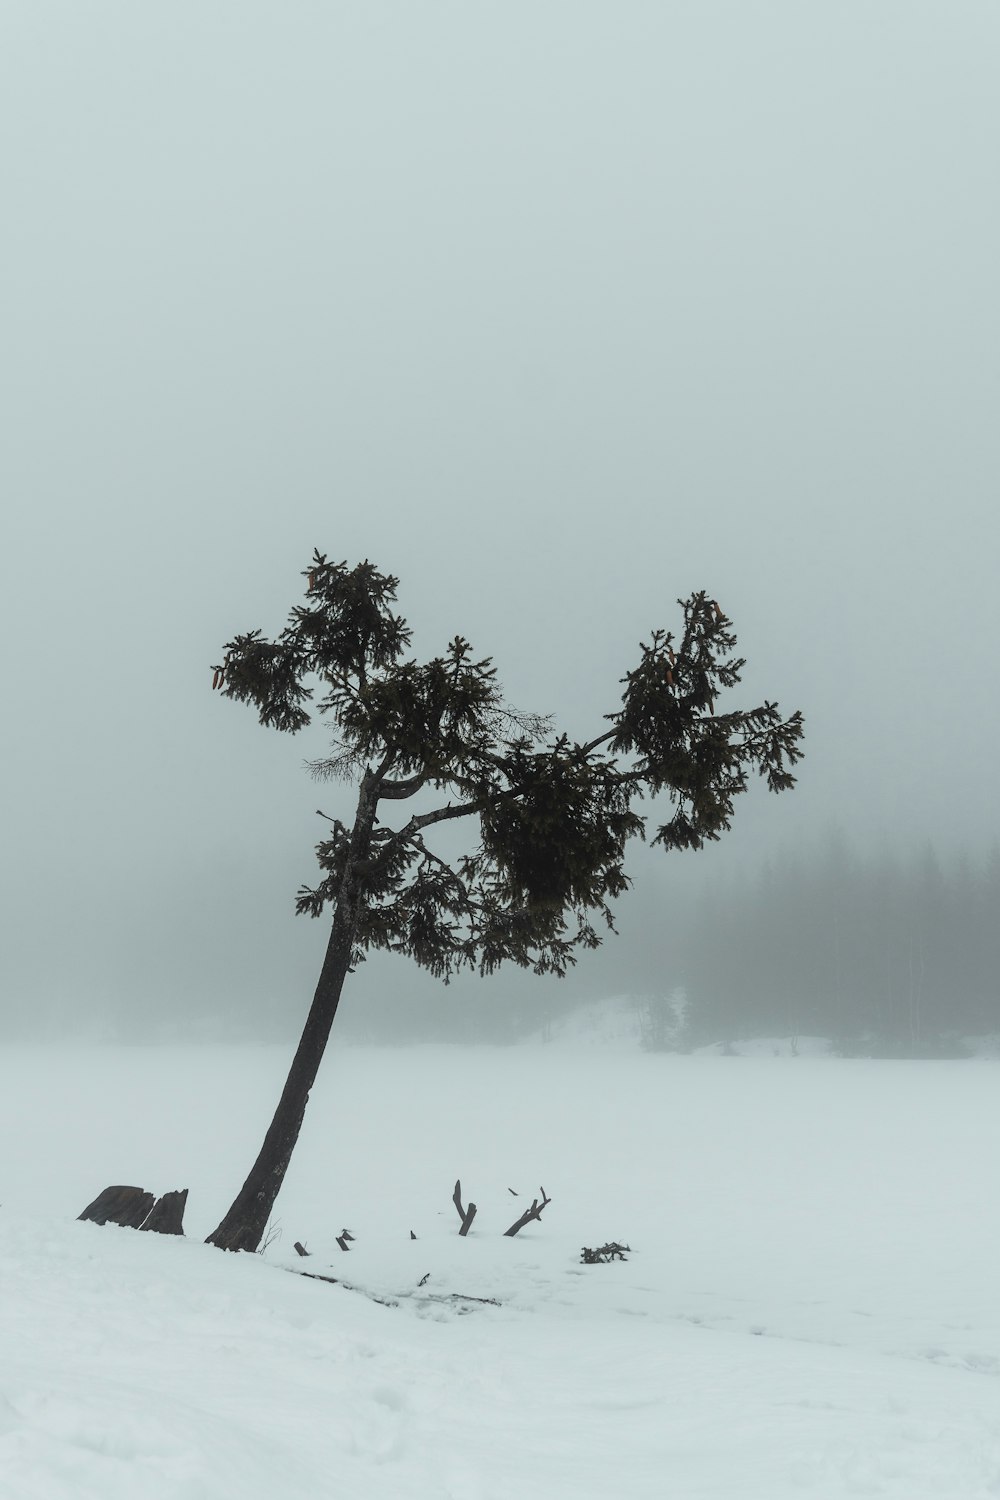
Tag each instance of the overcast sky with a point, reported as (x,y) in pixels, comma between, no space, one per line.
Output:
(558,310)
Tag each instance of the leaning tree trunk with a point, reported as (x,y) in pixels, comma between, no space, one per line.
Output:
(244,1225)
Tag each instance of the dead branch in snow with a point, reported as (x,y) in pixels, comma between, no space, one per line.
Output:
(534,1212)
(465,1214)
(604,1253)
(402,1297)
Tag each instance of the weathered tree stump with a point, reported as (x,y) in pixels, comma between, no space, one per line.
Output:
(134,1208)
(127,1206)
(167,1213)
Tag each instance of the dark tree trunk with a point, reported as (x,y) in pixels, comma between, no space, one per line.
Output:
(244,1225)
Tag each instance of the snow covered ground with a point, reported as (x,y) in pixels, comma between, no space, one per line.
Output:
(811,1306)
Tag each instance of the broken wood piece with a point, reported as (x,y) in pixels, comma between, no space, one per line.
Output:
(167,1214)
(534,1212)
(300,1249)
(465,1214)
(342,1241)
(127,1206)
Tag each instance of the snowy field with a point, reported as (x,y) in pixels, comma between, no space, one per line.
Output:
(811,1306)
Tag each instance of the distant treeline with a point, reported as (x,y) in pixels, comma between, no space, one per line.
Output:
(886,956)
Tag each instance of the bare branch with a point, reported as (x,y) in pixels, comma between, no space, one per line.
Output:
(592,745)
(534,1212)
(465,1214)
(398,791)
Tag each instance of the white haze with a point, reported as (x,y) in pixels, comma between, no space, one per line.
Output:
(558,311)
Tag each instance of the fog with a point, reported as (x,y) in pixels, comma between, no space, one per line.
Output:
(558,312)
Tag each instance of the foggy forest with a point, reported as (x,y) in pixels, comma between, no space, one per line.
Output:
(885,956)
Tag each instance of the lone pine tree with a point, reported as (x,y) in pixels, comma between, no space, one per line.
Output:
(551,817)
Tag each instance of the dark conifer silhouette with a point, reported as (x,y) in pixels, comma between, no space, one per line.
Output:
(552,817)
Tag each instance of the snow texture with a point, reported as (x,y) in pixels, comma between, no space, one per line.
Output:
(811,1305)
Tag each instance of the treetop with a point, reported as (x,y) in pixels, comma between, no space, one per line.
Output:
(553,816)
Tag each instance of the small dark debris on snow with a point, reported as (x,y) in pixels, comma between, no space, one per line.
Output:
(604,1253)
